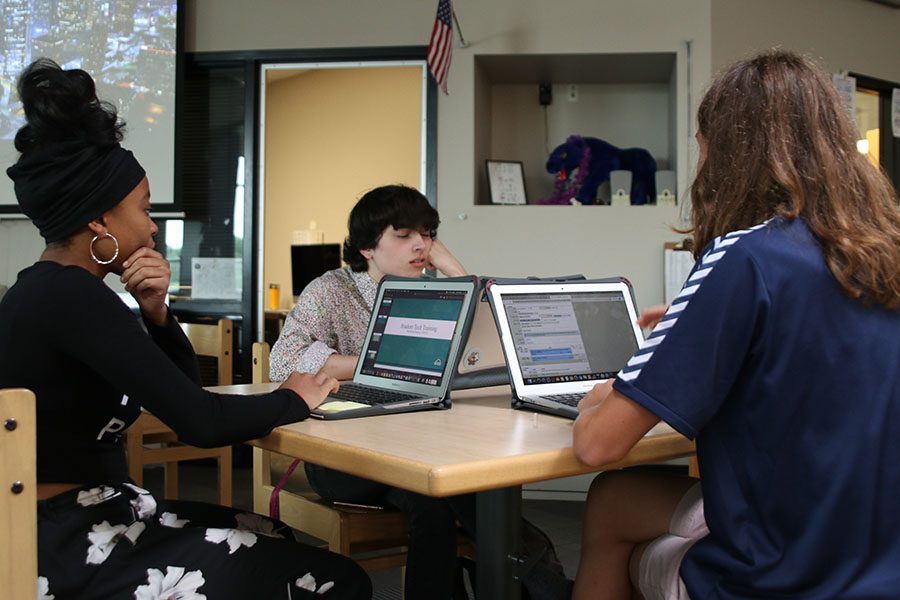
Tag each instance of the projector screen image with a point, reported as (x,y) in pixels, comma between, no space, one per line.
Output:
(127,46)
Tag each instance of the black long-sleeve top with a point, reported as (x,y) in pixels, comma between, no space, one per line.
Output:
(67,337)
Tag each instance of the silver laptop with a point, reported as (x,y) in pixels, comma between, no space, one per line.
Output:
(481,361)
(560,339)
(410,350)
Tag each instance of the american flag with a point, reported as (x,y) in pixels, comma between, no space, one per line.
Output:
(440,48)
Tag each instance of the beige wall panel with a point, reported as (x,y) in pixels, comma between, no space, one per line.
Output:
(851,35)
(331,135)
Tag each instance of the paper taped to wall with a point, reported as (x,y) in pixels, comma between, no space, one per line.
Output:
(215,278)
(677,267)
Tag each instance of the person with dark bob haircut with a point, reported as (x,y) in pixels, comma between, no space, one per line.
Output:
(396,206)
(93,366)
(780,356)
(391,232)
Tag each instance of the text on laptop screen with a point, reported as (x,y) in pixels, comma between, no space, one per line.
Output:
(412,335)
(577,336)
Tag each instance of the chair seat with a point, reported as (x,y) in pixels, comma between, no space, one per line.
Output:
(351,531)
(379,528)
(344,529)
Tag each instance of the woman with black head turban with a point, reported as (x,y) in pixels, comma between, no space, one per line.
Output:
(93,366)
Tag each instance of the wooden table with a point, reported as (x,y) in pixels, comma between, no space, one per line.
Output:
(480,445)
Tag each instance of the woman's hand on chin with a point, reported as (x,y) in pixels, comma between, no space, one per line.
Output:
(146,276)
(442,259)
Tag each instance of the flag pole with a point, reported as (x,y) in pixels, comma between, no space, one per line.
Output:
(462,41)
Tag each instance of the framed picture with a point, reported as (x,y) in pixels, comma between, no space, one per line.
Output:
(506,180)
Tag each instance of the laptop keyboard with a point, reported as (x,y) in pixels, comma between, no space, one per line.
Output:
(352,392)
(567,399)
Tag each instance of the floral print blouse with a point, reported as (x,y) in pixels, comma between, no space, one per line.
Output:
(331,316)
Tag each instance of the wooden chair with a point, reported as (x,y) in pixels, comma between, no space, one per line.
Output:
(207,340)
(347,531)
(18,495)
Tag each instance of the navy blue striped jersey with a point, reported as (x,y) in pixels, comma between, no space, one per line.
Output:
(792,390)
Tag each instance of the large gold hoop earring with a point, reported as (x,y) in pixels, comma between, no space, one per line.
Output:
(115,254)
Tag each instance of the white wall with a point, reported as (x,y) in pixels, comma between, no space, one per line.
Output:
(851,35)
(511,241)
(847,34)
(20,246)
(855,35)
(219,25)
(542,240)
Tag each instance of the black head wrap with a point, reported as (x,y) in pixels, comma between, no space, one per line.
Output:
(63,186)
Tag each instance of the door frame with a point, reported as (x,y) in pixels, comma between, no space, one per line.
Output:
(889,150)
(252,304)
(264,69)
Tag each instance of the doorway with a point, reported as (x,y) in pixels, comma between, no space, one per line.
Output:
(328,132)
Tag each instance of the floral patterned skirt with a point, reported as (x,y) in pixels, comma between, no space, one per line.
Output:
(119,542)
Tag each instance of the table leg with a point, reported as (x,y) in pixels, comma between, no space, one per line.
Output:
(499,528)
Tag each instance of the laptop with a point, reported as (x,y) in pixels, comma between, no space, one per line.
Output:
(410,350)
(560,339)
(481,361)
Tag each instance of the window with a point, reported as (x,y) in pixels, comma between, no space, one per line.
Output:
(209,239)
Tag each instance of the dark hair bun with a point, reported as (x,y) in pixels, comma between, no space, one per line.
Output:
(62,105)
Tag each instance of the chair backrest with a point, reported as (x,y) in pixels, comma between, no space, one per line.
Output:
(18,495)
(260,356)
(216,341)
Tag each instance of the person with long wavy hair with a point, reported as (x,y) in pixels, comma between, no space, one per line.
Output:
(780,356)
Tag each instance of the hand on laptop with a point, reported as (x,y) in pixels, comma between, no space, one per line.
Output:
(312,388)
(596,396)
(340,366)
(440,258)
(651,316)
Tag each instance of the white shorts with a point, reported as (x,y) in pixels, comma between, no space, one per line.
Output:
(658,573)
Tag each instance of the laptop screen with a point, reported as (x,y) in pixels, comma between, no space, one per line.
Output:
(570,336)
(412,335)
